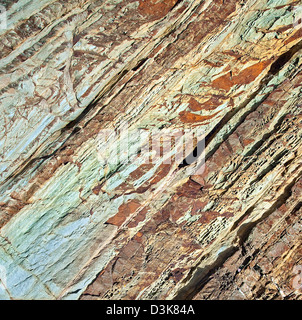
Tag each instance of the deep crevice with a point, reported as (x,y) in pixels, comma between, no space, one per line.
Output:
(176,4)
(201,275)
(284,58)
(274,69)
(245,229)
(140,64)
(91,105)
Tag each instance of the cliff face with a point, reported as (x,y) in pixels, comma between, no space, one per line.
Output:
(98,199)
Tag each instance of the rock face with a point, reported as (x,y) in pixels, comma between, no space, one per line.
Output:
(99,199)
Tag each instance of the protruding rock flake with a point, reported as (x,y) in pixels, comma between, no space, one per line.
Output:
(151,150)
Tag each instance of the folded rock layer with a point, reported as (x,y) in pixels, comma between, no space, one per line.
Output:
(151,149)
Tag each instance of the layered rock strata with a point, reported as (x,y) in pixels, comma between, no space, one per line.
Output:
(98,199)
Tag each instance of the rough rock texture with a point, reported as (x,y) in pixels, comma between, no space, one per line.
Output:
(76,225)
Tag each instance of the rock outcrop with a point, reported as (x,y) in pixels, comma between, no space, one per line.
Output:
(99,199)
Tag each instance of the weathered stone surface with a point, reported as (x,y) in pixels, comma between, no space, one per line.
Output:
(76,224)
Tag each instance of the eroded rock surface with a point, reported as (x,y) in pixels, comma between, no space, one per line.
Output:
(88,210)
